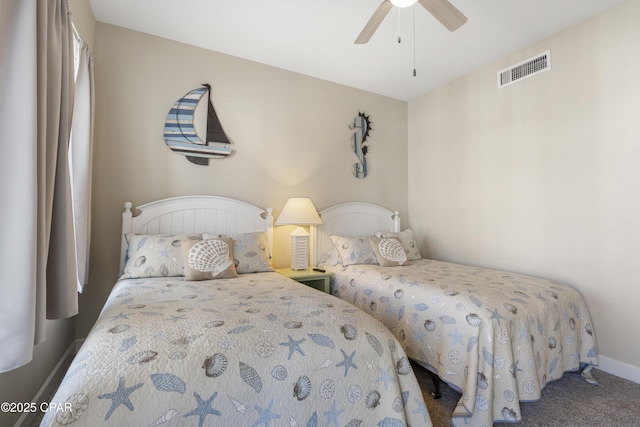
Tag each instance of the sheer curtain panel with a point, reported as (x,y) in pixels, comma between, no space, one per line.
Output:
(80,155)
(38,278)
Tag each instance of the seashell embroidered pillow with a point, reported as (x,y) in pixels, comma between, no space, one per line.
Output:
(154,255)
(408,242)
(354,250)
(389,251)
(250,251)
(208,259)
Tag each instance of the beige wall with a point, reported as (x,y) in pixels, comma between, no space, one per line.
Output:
(290,132)
(83,19)
(22,384)
(542,177)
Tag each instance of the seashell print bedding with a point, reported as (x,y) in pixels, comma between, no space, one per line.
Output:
(497,337)
(257,350)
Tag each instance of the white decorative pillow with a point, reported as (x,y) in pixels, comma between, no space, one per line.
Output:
(354,250)
(154,255)
(208,259)
(389,251)
(250,251)
(408,242)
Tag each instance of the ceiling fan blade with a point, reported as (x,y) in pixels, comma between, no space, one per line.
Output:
(444,12)
(374,22)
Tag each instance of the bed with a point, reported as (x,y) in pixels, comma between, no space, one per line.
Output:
(250,349)
(496,337)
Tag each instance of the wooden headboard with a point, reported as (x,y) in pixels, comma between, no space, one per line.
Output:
(193,215)
(350,219)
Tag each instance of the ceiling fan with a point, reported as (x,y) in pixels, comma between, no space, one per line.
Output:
(442,10)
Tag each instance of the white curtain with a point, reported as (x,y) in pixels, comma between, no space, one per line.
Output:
(80,158)
(38,275)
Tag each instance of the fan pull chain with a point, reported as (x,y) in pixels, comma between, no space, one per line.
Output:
(414,40)
(399,27)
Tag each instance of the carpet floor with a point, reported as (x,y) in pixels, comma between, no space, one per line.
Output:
(568,402)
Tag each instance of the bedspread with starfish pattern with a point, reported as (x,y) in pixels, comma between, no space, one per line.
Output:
(496,337)
(257,350)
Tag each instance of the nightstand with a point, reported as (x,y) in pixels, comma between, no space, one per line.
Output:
(316,279)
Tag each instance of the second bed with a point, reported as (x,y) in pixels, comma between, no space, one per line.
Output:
(496,337)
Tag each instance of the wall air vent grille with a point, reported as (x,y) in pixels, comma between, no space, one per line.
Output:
(525,69)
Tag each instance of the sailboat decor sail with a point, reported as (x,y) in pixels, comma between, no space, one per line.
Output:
(180,132)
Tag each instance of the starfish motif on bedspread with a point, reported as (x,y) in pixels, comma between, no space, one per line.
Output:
(120,397)
(204,408)
(265,415)
(294,345)
(120,316)
(386,377)
(419,333)
(456,337)
(421,409)
(496,315)
(389,310)
(514,368)
(333,415)
(347,362)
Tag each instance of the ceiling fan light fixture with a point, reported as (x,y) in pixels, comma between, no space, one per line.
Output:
(442,10)
(403,3)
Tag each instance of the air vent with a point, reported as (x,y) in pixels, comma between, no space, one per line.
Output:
(525,69)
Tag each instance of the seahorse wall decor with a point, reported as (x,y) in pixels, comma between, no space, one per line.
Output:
(361,126)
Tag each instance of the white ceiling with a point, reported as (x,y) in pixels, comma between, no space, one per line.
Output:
(315,37)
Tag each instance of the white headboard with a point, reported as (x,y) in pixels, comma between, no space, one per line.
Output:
(193,215)
(350,219)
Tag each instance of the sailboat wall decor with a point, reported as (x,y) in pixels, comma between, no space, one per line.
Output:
(180,133)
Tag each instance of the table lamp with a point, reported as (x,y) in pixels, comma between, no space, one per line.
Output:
(299,211)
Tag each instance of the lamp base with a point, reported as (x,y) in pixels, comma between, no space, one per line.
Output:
(299,249)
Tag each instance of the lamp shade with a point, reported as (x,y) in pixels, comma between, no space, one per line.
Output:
(299,211)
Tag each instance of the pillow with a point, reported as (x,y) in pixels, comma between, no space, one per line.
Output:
(408,242)
(250,251)
(154,255)
(388,250)
(330,258)
(354,250)
(208,259)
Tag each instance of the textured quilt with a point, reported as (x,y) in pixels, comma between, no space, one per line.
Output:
(257,350)
(496,337)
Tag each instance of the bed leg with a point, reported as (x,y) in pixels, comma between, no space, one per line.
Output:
(587,375)
(436,384)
